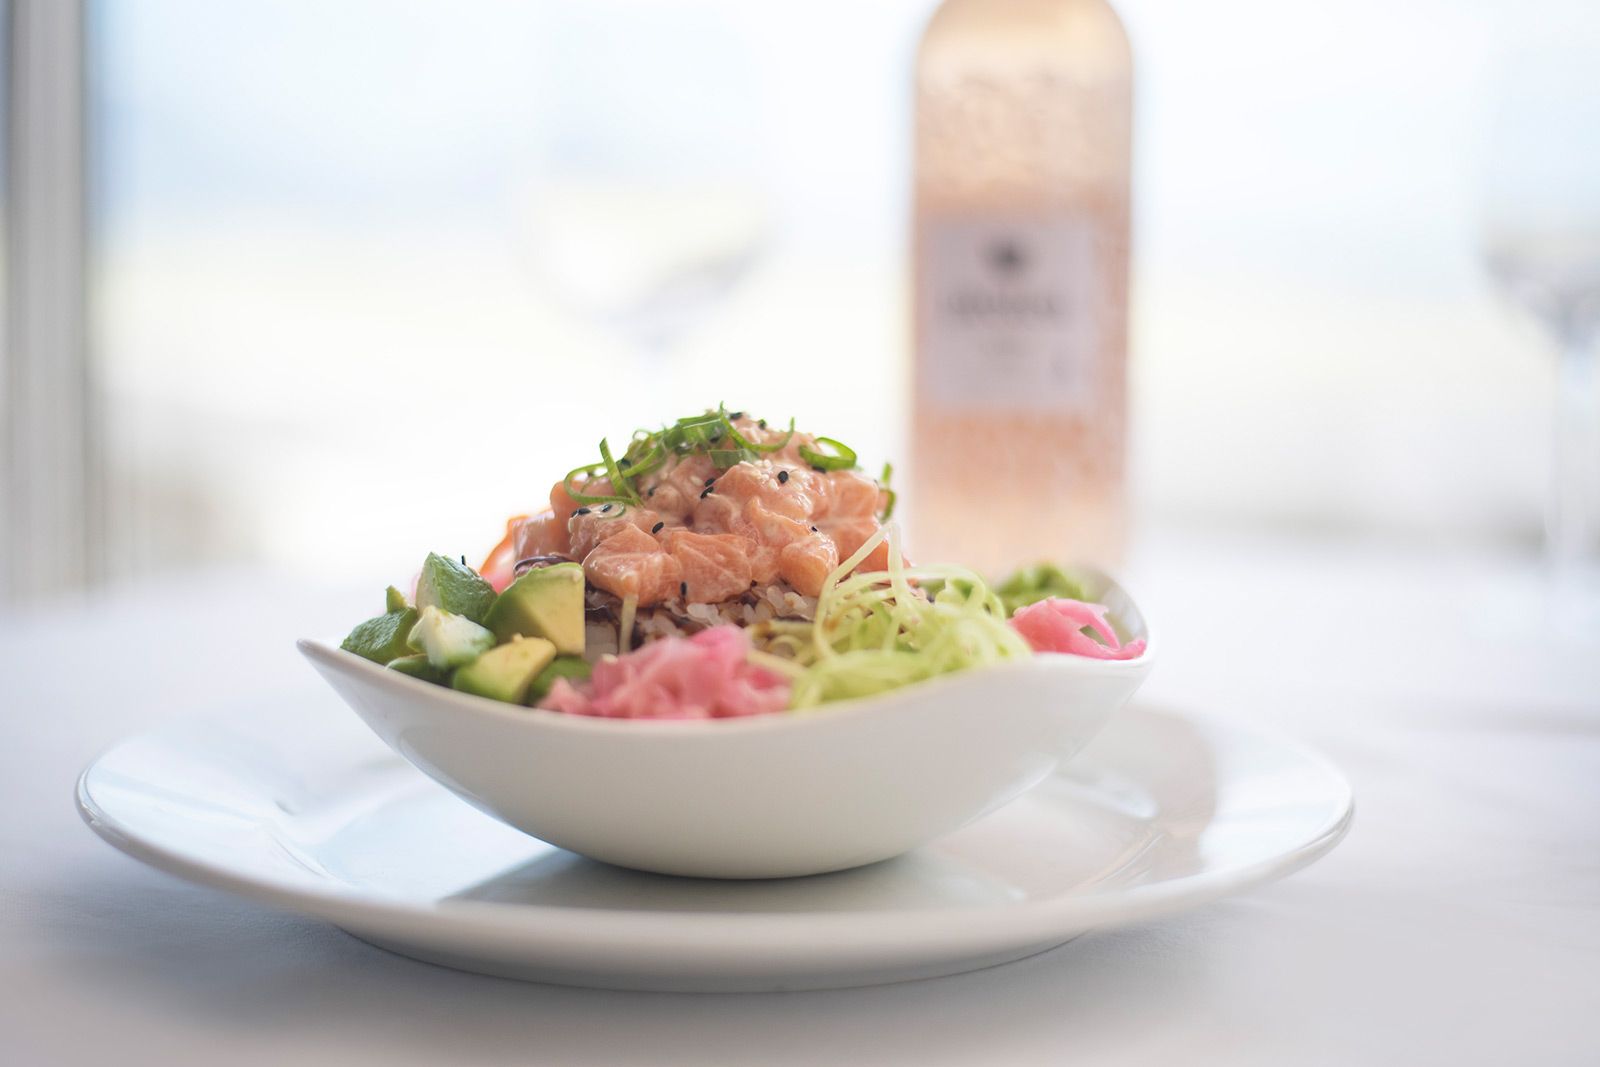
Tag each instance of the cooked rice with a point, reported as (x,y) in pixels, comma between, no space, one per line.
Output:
(675,618)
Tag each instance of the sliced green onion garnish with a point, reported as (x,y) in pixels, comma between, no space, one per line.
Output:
(589,498)
(643,461)
(623,488)
(842,460)
(713,434)
(745,448)
(775,446)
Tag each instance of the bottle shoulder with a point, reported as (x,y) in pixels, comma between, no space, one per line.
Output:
(1063,27)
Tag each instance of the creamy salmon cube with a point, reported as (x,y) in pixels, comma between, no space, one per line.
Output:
(594,523)
(714,567)
(806,563)
(629,562)
(541,535)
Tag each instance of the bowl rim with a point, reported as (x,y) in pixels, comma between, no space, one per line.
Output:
(1058,664)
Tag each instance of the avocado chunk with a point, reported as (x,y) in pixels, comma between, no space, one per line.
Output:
(451,585)
(394,600)
(383,638)
(506,672)
(546,602)
(417,666)
(575,668)
(449,640)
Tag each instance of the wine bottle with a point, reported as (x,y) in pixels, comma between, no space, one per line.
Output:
(1022,156)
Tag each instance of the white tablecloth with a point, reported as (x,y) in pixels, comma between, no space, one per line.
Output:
(1458,924)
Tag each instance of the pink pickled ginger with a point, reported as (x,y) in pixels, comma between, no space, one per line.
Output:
(1056,624)
(707,676)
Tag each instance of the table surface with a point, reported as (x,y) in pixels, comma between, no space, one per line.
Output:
(1458,924)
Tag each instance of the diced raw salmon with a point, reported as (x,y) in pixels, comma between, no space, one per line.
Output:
(774,487)
(770,518)
(762,531)
(770,527)
(806,563)
(768,532)
(541,535)
(850,494)
(561,501)
(675,492)
(764,563)
(629,562)
(593,524)
(850,534)
(714,513)
(714,567)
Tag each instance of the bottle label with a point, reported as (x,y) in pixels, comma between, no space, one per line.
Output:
(1008,313)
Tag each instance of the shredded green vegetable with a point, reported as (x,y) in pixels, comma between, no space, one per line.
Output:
(1030,585)
(876,631)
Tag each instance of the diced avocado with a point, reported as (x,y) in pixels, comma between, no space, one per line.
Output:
(506,672)
(451,585)
(449,640)
(546,602)
(395,600)
(417,666)
(574,667)
(383,638)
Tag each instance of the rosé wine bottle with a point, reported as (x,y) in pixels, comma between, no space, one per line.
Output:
(1023,131)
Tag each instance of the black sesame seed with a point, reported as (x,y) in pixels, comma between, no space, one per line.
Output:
(683,589)
(651,491)
(581,511)
(783,476)
(707,491)
(604,508)
(624,463)
(657,527)
(711,480)
(737,415)
(813,529)
(463,561)
(761,423)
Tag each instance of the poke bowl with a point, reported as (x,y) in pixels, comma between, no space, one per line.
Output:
(711,657)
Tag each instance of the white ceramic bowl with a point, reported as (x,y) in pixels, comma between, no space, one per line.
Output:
(767,796)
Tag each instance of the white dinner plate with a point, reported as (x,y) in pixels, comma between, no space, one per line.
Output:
(312,814)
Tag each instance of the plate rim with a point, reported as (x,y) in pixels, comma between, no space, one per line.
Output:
(575,927)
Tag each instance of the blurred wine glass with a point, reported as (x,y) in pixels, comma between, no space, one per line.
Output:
(650,200)
(1542,245)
